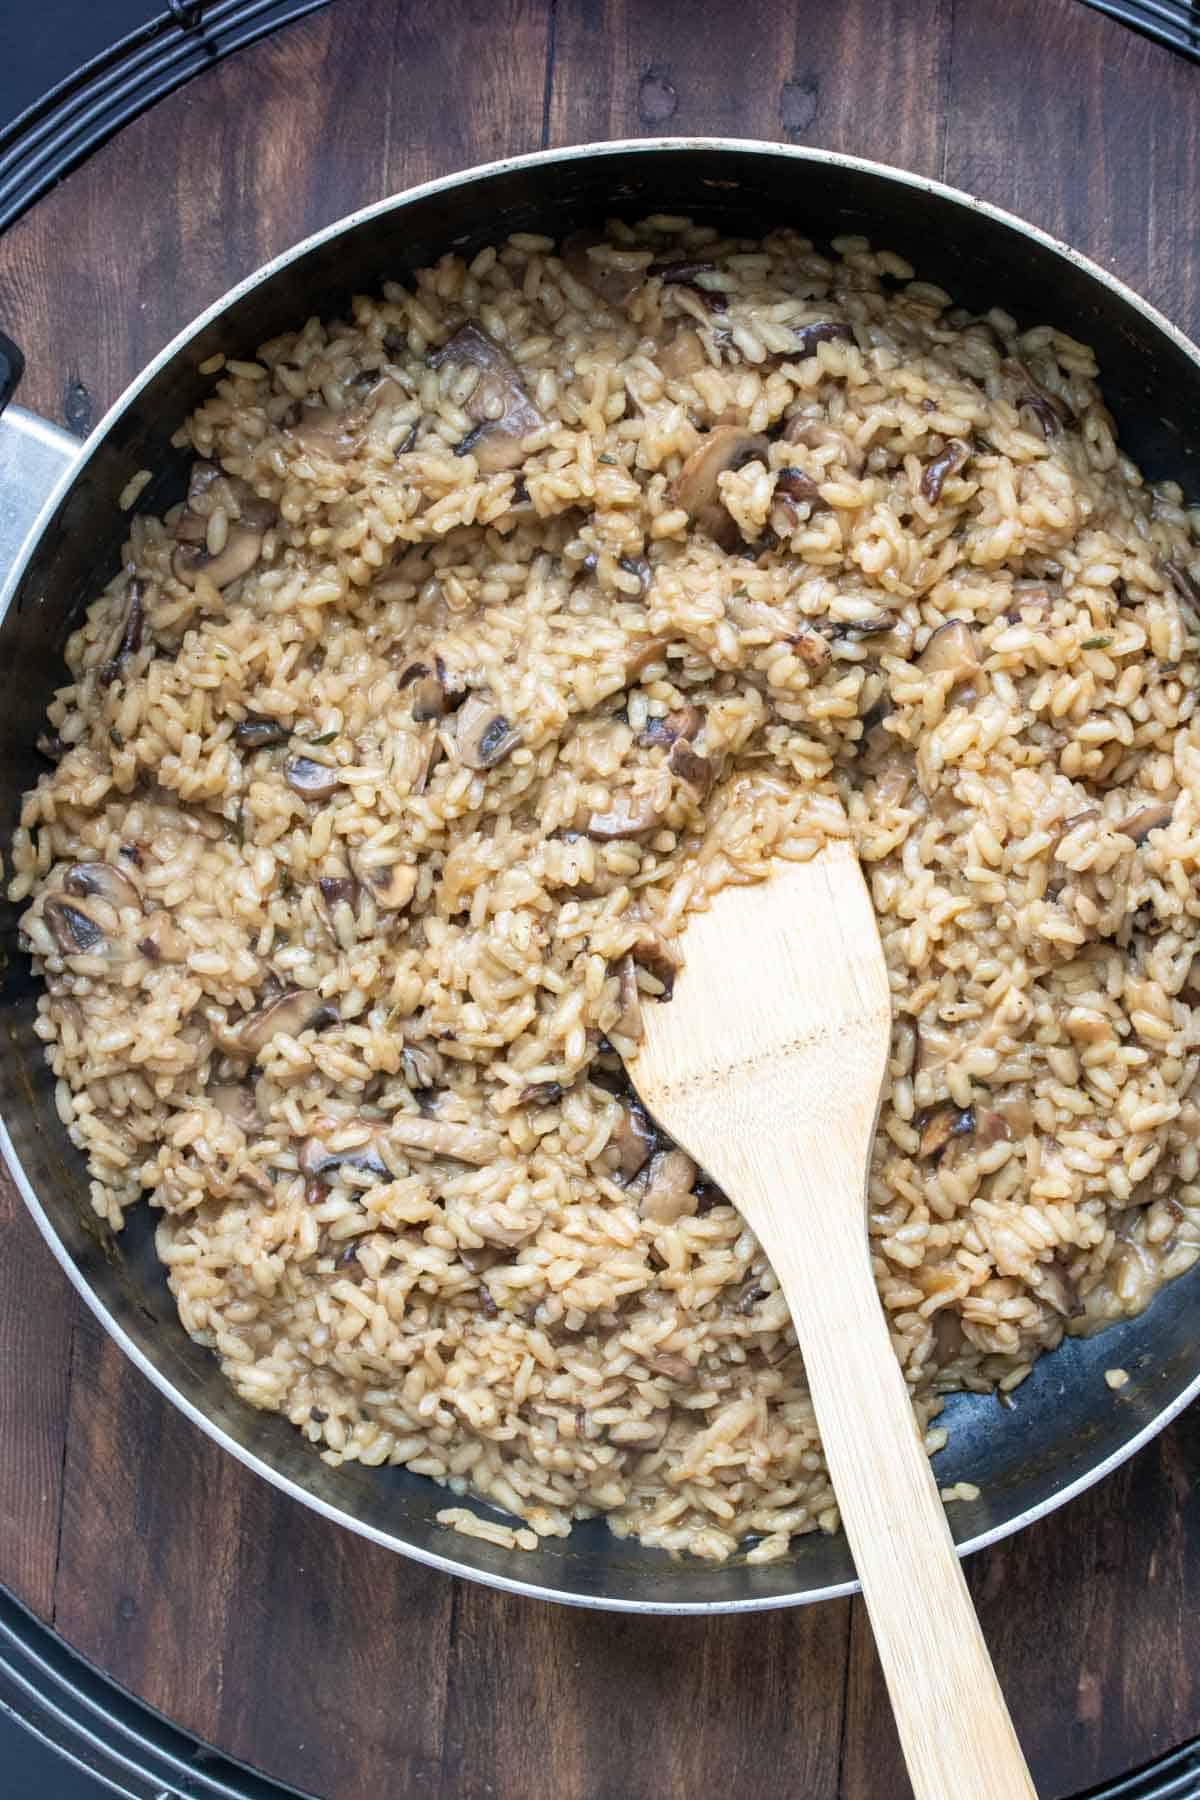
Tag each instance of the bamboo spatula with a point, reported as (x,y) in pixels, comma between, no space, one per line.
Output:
(766,1066)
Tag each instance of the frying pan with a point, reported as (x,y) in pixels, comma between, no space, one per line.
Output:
(60,538)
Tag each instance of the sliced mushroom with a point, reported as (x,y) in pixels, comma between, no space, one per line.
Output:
(311,780)
(479,1261)
(684,723)
(952,650)
(668,1194)
(128,640)
(542,1093)
(821,331)
(297,1010)
(671,1364)
(936,472)
(422,1067)
(637,565)
(102,879)
(1138,825)
(243,547)
(316,1159)
(440,1137)
(683,355)
(724,448)
(628,1023)
(73,928)
(793,488)
(818,434)
(484,735)
(633,1138)
(1050,412)
(501,410)
(609,280)
(336,889)
(235,1101)
(392,884)
(681,269)
(433,695)
(943,1123)
(337,432)
(691,767)
(652,954)
(258,732)
(630,816)
(1052,1284)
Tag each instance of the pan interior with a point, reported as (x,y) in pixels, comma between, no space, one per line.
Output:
(1064,1423)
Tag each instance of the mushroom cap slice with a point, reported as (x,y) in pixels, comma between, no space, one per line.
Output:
(311,780)
(724,448)
(484,735)
(297,1010)
(243,547)
(498,406)
(629,816)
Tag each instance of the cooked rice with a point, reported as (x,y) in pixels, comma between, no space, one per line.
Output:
(404,1207)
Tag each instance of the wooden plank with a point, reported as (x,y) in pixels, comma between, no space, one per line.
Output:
(39,1310)
(1126,113)
(852,77)
(551,1703)
(240,1614)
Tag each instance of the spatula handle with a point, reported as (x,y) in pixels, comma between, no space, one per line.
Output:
(954,1725)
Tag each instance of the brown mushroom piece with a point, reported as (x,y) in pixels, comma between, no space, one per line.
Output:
(337,432)
(498,406)
(243,547)
(1052,1284)
(297,1010)
(484,735)
(943,1123)
(821,331)
(696,490)
(258,732)
(317,1160)
(952,650)
(311,780)
(441,1137)
(338,889)
(630,816)
(668,1194)
(128,640)
(794,488)
(633,1138)
(628,1023)
(651,953)
(691,767)
(1139,824)
(392,884)
(937,471)
(102,879)
(1050,412)
(426,677)
(235,1101)
(74,930)
(422,1067)
(610,281)
(668,729)
(542,1093)
(1185,585)
(682,355)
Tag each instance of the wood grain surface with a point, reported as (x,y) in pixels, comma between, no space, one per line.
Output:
(326,1662)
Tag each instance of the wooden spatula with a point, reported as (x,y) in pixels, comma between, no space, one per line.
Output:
(766,1066)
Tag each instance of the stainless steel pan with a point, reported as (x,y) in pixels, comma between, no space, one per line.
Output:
(61,532)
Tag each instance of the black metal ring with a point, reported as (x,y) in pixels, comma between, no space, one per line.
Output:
(51,137)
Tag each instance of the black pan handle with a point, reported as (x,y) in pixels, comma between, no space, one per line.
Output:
(12,367)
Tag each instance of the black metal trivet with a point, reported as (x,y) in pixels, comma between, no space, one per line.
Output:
(54,134)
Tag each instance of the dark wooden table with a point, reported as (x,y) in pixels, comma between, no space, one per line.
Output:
(318,1658)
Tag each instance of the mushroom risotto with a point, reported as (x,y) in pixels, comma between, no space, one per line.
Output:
(503,621)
